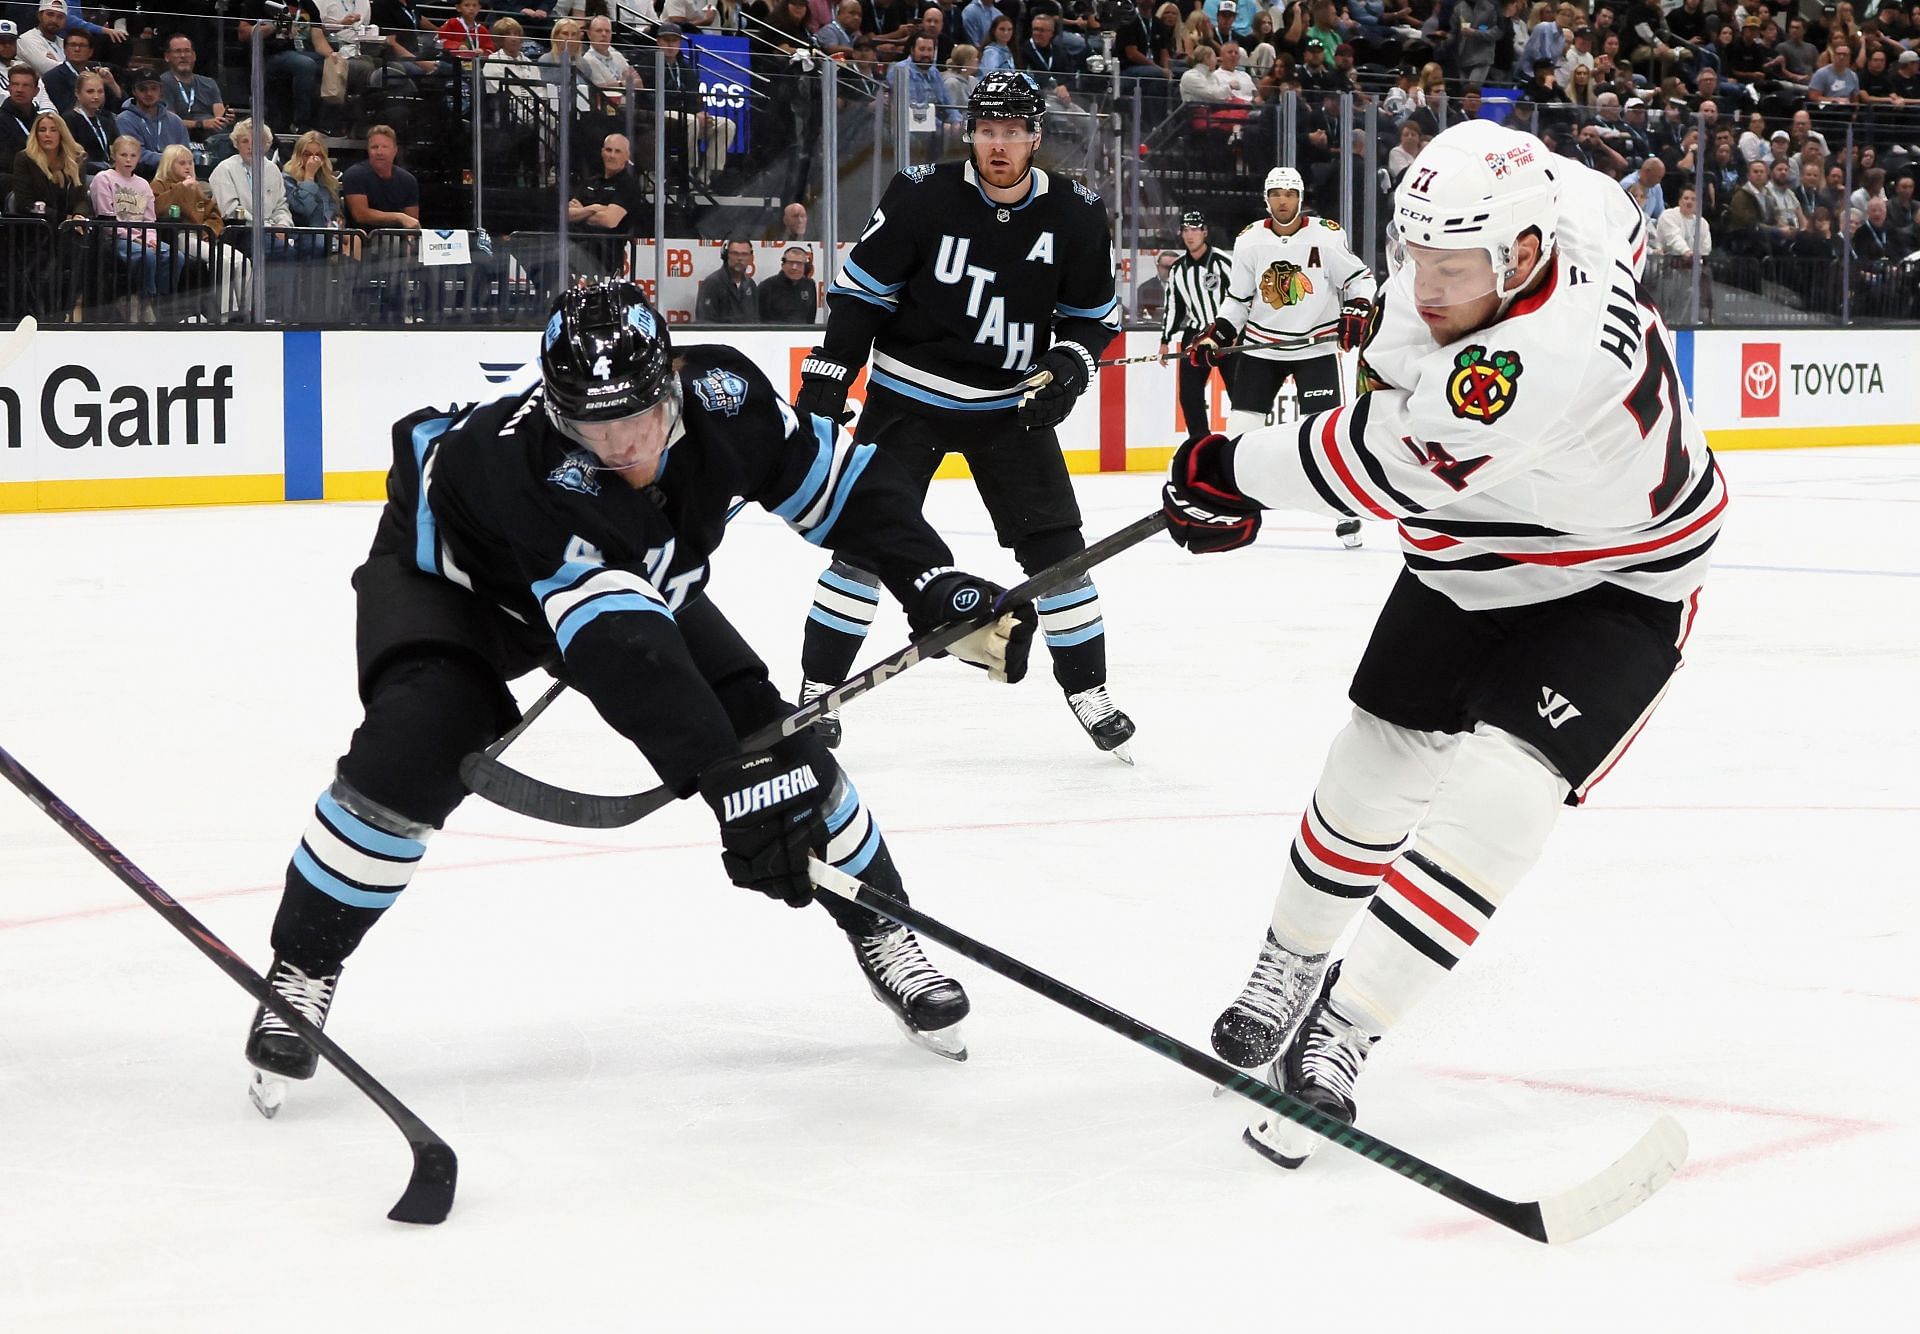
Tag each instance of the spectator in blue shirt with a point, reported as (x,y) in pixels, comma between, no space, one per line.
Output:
(152,124)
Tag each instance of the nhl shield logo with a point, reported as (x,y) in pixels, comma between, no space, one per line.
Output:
(721,391)
(576,473)
(1285,284)
(1482,386)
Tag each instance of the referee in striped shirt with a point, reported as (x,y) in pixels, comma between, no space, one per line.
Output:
(1193,292)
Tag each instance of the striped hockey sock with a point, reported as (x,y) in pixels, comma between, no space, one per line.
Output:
(349,869)
(1330,876)
(1417,929)
(845,601)
(1075,635)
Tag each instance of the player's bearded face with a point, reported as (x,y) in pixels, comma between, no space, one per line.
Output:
(1284,205)
(1003,150)
(631,446)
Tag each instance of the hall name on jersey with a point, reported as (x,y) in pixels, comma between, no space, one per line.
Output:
(1620,331)
(1015,338)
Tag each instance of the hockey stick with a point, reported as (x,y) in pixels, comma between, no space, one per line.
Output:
(16,342)
(1568,1216)
(502,785)
(1154,359)
(429,1193)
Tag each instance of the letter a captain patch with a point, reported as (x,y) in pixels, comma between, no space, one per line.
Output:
(1042,252)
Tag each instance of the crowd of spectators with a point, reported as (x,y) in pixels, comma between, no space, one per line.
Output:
(1780,140)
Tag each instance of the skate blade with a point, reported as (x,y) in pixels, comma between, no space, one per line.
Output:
(947,1042)
(1275,1140)
(268,1093)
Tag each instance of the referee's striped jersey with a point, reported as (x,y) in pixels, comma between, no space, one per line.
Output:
(1194,288)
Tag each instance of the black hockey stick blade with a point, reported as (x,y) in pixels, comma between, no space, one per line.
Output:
(1572,1214)
(486,777)
(429,1194)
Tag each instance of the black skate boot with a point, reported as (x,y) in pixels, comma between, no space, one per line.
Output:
(1348,531)
(275,1051)
(1110,729)
(1251,1031)
(927,1003)
(827,726)
(1319,1068)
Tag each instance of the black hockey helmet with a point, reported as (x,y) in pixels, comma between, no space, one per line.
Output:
(1193,217)
(605,355)
(1005,94)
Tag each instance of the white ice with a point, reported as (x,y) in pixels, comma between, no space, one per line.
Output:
(676,1107)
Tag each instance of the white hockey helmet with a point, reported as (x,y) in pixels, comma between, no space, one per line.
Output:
(1284,178)
(1477,186)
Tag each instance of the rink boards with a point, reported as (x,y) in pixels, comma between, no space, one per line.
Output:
(93,420)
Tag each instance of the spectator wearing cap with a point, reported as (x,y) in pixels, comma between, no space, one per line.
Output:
(42,46)
(1226,18)
(1579,52)
(148,121)
(791,296)
(1906,81)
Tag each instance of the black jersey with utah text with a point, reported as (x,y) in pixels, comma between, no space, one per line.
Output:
(956,296)
(497,500)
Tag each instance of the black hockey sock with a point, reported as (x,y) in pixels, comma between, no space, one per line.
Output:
(845,601)
(1076,635)
(353,861)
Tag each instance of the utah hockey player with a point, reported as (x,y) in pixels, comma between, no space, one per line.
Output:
(969,279)
(1556,504)
(570,527)
(1298,296)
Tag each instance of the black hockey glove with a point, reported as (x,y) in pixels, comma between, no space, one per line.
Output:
(1353,323)
(1070,370)
(823,388)
(999,646)
(1206,349)
(770,822)
(1205,511)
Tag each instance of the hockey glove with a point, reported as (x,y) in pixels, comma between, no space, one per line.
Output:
(770,822)
(1070,370)
(999,646)
(823,388)
(1205,511)
(1205,350)
(1353,323)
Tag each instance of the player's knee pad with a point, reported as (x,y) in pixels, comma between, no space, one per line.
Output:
(1240,421)
(424,715)
(1379,777)
(1037,551)
(1490,819)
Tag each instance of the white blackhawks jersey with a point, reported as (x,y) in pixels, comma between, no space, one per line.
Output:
(1285,292)
(1533,459)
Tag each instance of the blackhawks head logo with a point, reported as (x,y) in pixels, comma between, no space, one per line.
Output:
(1482,387)
(1283,284)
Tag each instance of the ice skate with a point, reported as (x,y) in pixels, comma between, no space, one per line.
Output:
(1251,1031)
(275,1051)
(827,725)
(1319,1068)
(1110,729)
(927,1004)
(1348,531)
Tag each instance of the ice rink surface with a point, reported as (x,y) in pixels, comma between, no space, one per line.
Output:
(677,1108)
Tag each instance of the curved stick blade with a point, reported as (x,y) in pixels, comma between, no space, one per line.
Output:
(429,1193)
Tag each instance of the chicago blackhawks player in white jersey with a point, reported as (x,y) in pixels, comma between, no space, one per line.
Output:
(1523,424)
(1297,297)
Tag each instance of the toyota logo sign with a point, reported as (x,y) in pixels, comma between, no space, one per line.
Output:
(1760,379)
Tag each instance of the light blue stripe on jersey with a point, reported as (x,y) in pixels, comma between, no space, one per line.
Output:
(565,577)
(840,623)
(1088,312)
(335,888)
(838,817)
(364,836)
(849,478)
(1068,638)
(576,619)
(842,584)
(426,537)
(841,289)
(867,280)
(911,390)
(808,491)
(1071,598)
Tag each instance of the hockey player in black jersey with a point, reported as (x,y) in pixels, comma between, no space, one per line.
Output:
(570,527)
(971,279)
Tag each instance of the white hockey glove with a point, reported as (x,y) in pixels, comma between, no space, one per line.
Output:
(1000,647)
